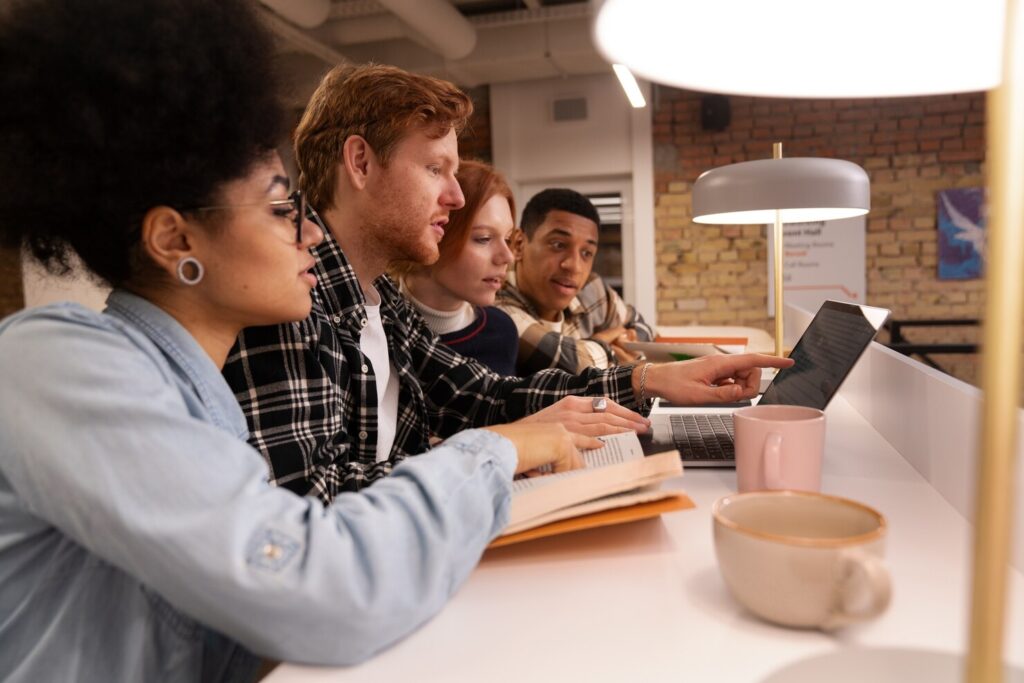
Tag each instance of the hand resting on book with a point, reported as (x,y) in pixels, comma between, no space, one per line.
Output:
(545,444)
(619,474)
(577,414)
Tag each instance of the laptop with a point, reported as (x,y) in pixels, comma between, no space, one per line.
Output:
(825,354)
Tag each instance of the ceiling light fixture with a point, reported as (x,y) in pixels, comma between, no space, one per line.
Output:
(629,84)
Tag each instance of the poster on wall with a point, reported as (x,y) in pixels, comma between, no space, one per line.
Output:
(961,223)
(823,260)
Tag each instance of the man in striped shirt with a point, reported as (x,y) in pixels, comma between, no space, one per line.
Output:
(566,316)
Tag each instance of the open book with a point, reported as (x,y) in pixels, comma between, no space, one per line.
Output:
(616,475)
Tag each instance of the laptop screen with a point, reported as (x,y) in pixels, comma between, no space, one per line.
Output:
(825,354)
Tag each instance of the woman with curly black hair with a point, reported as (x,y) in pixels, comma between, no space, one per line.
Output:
(139,538)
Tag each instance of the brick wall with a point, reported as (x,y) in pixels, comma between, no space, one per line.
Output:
(910,148)
(475,141)
(11,296)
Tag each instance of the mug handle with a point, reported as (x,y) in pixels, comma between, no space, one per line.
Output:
(772,458)
(864,589)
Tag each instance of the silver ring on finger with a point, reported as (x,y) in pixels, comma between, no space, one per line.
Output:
(599,404)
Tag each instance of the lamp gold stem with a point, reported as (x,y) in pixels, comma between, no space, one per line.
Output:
(777,242)
(1000,360)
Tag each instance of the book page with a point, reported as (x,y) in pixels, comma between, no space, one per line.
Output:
(619,465)
(617,448)
(613,510)
(641,494)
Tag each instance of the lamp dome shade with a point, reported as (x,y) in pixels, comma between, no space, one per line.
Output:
(807,48)
(802,188)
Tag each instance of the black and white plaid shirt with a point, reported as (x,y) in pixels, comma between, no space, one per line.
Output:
(310,395)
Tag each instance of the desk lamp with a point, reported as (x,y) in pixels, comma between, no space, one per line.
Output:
(781,190)
(808,48)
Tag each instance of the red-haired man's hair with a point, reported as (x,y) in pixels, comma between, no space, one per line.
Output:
(382,104)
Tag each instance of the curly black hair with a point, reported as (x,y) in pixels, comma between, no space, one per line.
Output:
(112,107)
(555,199)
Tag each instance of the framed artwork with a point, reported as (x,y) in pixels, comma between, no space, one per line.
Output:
(961,223)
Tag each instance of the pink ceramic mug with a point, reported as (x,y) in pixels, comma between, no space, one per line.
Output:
(779,447)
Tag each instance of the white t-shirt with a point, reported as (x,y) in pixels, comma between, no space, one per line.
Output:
(374,346)
(553,325)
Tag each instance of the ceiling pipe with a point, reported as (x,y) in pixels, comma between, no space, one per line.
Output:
(511,46)
(355,22)
(367,29)
(543,15)
(302,13)
(375,29)
(449,33)
(299,39)
(350,9)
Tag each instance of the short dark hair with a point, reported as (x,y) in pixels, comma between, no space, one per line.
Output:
(111,108)
(555,199)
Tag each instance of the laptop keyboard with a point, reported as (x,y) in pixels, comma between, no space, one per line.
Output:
(704,437)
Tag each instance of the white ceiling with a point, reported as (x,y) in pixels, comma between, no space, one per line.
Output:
(470,42)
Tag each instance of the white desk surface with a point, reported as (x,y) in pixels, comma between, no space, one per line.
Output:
(644,601)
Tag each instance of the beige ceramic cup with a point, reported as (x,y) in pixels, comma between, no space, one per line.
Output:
(802,559)
(779,447)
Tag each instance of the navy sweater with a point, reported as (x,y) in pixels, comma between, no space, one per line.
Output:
(491,339)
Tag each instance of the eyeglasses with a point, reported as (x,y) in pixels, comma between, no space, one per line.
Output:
(294,206)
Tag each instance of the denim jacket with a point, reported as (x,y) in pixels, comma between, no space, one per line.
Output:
(140,539)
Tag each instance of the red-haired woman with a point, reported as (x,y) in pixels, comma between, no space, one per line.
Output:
(455,296)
